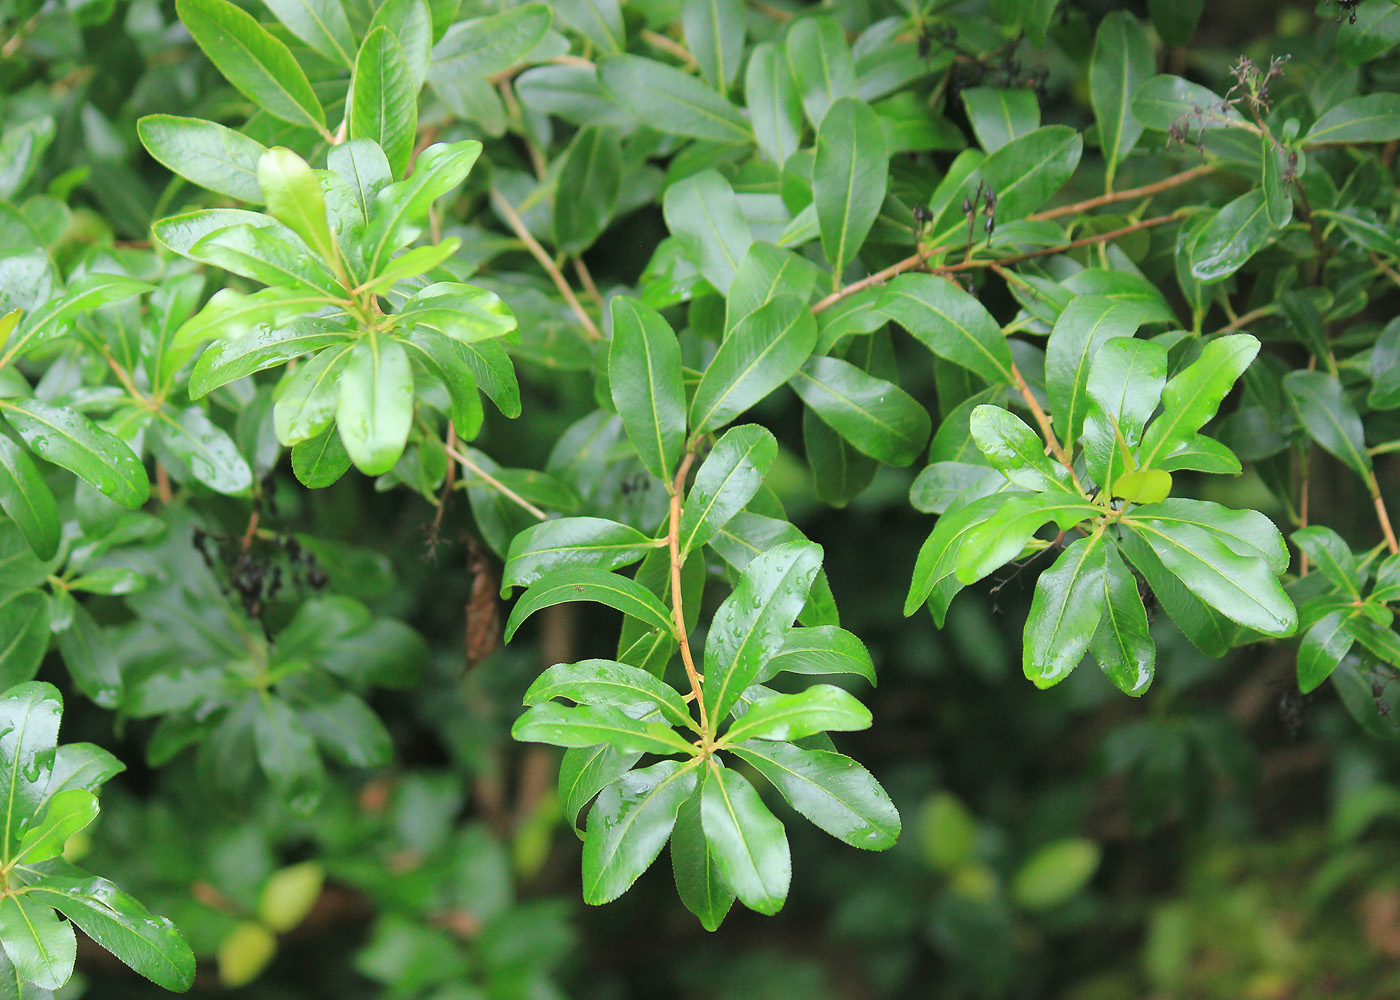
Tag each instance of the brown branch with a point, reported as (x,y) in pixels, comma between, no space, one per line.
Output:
(585,278)
(496,484)
(1145,191)
(1383,516)
(1244,319)
(675,48)
(673,540)
(538,252)
(1043,422)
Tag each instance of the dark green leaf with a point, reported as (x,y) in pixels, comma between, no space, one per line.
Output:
(90,659)
(877,417)
(825,649)
(1065,611)
(1027,171)
(67,438)
(848,179)
(384,100)
(581,726)
(1232,237)
(569,542)
(789,717)
(287,754)
(1323,647)
(585,584)
(584,772)
(1165,101)
(349,731)
(1121,63)
(1330,418)
(644,373)
(950,322)
(454,365)
(698,882)
(1122,644)
(821,65)
(1247,533)
(24,636)
(320,461)
(587,191)
(999,114)
(1372,118)
(703,214)
(206,450)
(608,683)
(773,102)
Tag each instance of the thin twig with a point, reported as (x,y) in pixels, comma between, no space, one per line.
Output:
(1146,191)
(496,484)
(585,278)
(538,252)
(675,48)
(1244,319)
(1043,422)
(1382,516)
(1062,247)
(673,540)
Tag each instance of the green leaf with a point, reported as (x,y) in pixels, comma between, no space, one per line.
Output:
(581,726)
(24,636)
(67,438)
(587,584)
(1026,172)
(628,825)
(703,214)
(1164,101)
(1016,450)
(1371,118)
(570,542)
(751,625)
(1278,203)
(319,462)
(1330,418)
(452,363)
(698,882)
(848,179)
(761,353)
(821,65)
(401,209)
(714,33)
(1203,454)
(1378,639)
(321,24)
(1065,611)
(834,792)
(1210,631)
(1193,395)
(1175,20)
(999,114)
(950,323)
(1143,486)
(411,22)
(748,841)
(205,153)
(293,195)
(584,772)
(206,450)
(766,272)
(348,730)
(644,374)
(68,812)
(253,60)
(1055,873)
(41,946)
(21,149)
(877,417)
(1009,530)
(789,717)
(465,313)
(88,292)
(825,649)
(773,102)
(148,944)
(1323,647)
(264,256)
(608,683)
(1236,233)
(233,359)
(479,47)
(287,754)
(306,397)
(1242,588)
(840,473)
(1333,557)
(728,479)
(935,579)
(1125,383)
(600,21)
(28,500)
(375,408)
(586,194)
(671,101)
(383,99)
(1087,324)
(1121,63)
(1247,533)
(29,716)
(1122,644)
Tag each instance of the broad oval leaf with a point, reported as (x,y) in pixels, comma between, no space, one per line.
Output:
(375,408)
(67,438)
(628,825)
(749,842)
(950,323)
(571,542)
(205,153)
(877,417)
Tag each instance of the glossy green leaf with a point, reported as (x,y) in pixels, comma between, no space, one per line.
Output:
(1332,556)
(1143,486)
(90,659)
(840,473)
(1371,118)
(590,181)
(703,214)
(88,292)
(644,374)
(1203,454)
(321,24)
(1122,644)
(1193,395)
(1000,114)
(820,64)
(672,101)
(24,636)
(231,360)
(1012,447)
(561,544)
(1065,612)
(383,99)
(27,499)
(1027,171)
(1323,647)
(253,60)
(67,438)
(148,944)
(264,256)
(375,407)
(773,103)
(1087,324)
(286,752)
(748,841)
(322,460)
(589,584)
(935,579)
(465,313)
(825,649)
(1121,63)
(293,195)
(586,771)
(698,882)
(401,209)
(727,480)
(1278,202)
(479,47)
(205,153)
(1330,418)
(760,354)
(1009,530)
(766,272)
(205,449)
(1245,532)
(629,823)
(451,362)
(751,625)
(790,717)
(608,683)
(29,716)
(41,946)
(1126,378)
(950,323)
(1209,630)
(848,179)
(877,417)
(68,812)
(1165,101)
(306,398)
(580,726)
(1236,233)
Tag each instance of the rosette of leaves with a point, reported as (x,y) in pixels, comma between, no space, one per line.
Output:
(50,797)
(1126,429)
(725,842)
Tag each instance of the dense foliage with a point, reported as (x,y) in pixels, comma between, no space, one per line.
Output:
(682,344)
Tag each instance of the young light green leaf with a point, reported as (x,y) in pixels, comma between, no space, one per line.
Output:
(293,195)
(581,726)
(68,812)
(834,792)
(773,103)
(148,944)
(67,438)
(1126,378)
(877,417)
(760,354)
(789,717)
(1121,63)
(698,882)
(751,625)
(1013,448)
(1193,395)
(375,408)
(703,214)
(589,584)
(749,842)
(728,479)
(41,946)
(253,60)
(1086,325)
(950,323)
(383,99)
(1330,418)
(999,114)
(935,579)
(1122,645)
(205,153)
(821,65)
(1065,611)
(644,373)
(606,682)
(568,542)
(401,209)
(672,101)
(628,825)
(848,179)
(463,312)
(28,500)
